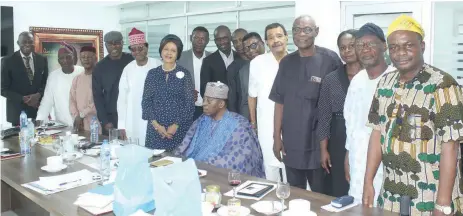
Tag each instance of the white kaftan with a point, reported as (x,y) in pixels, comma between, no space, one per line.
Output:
(129,101)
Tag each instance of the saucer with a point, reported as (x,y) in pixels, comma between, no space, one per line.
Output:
(157,152)
(223,211)
(265,207)
(298,213)
(54,169)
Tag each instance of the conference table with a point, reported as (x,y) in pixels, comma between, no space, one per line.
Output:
(24,201)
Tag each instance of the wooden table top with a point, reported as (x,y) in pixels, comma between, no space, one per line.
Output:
(26,169)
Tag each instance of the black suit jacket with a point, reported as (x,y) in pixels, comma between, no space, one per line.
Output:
(213,69)
(233,88)
(15,84)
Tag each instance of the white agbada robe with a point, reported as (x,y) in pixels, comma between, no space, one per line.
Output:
(356,108)
(262,72)
(129,109)
(56,96)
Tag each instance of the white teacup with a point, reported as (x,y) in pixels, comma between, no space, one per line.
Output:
(55,161)
(299,205)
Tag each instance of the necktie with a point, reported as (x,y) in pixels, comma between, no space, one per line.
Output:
(28,68)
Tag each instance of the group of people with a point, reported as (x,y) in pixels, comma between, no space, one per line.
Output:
(302,117)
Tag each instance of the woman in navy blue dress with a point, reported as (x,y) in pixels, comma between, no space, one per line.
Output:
(168,100)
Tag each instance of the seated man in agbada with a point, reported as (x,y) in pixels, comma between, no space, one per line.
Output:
(222,138)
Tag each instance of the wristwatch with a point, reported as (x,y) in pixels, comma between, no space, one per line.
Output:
(447,210)
(82,115)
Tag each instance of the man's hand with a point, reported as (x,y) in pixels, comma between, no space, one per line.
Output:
(325,160)
(368,194)
(347,168)
(195,95)
(277,148)
(79,124)
(34,100)
(26,99)
(172,130)
(108,126)
(123,134)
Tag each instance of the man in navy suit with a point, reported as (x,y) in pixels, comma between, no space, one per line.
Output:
(24,76)
(215,66)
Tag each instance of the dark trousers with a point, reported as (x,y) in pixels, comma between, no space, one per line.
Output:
(113,119)
(298,178)
(198,112)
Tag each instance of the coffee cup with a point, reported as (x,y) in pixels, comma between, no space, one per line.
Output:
(54,161)
(299,205)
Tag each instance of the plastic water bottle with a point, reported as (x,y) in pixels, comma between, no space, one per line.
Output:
(23,119)
(31,130)
(94,129)
(105,161)
(25,141)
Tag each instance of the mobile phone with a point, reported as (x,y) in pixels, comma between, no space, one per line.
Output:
(342,201)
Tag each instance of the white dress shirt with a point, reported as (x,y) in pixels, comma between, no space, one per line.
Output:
(227,60)
(31,61)
(197,63)
(56,96)
(356,108)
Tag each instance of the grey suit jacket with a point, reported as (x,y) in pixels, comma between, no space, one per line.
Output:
(186,61)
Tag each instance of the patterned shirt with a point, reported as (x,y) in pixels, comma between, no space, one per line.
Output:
(415,118)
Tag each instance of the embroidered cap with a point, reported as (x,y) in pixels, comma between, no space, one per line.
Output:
(136,37)
(216,90)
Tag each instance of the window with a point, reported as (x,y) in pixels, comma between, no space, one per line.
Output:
(204,6)
(257,20)
(158,29)
(448,38)
(211,21)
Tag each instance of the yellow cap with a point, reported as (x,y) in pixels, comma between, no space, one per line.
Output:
(407,23)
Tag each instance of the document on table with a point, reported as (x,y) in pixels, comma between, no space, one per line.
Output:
(331,208)
(246,184)
(54,184)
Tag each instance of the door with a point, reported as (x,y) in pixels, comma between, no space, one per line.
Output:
(356,14)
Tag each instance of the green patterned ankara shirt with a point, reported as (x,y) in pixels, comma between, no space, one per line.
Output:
(415,118)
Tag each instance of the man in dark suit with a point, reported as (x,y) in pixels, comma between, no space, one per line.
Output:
(252,46)
(214,66)
(24,76)
(192,60)
(234,68)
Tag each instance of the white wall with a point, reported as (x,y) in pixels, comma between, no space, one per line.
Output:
(70,14)
(83,15)
(327,14)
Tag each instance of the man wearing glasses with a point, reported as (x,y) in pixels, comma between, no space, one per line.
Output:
(214,67)
(295,92)
(56,95)
(253,46)
(105,80)
(192,60)
(370,46)
(24,75)
(131,88)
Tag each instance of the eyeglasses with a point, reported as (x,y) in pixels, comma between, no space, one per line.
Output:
(252,46)
(66,57)
(136,48)
(306,30)
(115,43)
(362,46)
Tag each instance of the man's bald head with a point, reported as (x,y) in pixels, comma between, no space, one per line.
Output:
(222,39)
(26,43)
(237,39)
(305,18)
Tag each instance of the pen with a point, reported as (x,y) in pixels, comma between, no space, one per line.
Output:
(65,183)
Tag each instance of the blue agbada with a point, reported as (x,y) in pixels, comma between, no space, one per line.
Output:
(228,143)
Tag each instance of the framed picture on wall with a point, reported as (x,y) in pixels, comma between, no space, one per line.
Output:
(47,41)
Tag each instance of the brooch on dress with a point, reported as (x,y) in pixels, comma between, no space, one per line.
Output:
(180,74)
